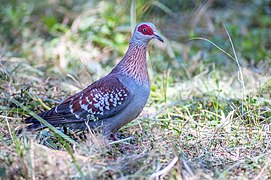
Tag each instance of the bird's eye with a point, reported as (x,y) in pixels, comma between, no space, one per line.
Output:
(144,29)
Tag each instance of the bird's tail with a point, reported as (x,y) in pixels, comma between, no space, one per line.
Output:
(33,124)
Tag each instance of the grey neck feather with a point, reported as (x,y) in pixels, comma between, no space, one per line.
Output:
(138,40)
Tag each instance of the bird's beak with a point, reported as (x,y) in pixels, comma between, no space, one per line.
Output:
(157,36)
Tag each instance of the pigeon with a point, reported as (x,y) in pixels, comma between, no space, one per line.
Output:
(112,101)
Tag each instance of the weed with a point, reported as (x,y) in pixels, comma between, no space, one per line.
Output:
(208,116)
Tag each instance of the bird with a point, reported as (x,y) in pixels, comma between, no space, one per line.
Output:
(112,101)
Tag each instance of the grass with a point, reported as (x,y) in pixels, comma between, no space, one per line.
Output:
(208,116)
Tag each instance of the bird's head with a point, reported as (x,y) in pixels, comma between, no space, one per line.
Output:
(144,32)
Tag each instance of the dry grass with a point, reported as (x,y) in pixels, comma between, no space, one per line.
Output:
(203,135)
(200,122)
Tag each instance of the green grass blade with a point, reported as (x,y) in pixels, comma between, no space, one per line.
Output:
(163,7)
(52,128)
(219,48)
(133,15)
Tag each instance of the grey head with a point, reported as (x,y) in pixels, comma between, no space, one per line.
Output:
(144,32)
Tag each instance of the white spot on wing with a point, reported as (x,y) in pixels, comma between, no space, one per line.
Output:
(84,106)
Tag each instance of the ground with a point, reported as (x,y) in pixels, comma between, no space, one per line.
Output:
(208,115)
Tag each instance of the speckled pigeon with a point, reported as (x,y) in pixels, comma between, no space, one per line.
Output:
(113,100)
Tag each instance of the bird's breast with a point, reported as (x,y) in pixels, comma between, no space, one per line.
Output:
(140,91)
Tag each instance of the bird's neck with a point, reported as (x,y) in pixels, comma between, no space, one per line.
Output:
(134,64)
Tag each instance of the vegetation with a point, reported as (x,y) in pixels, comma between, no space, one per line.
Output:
(208,116)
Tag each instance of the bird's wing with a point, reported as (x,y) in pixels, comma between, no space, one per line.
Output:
(102,99)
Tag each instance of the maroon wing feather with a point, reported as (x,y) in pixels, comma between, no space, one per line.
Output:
(102,99)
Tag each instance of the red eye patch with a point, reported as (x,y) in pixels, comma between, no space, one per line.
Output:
(145,29)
